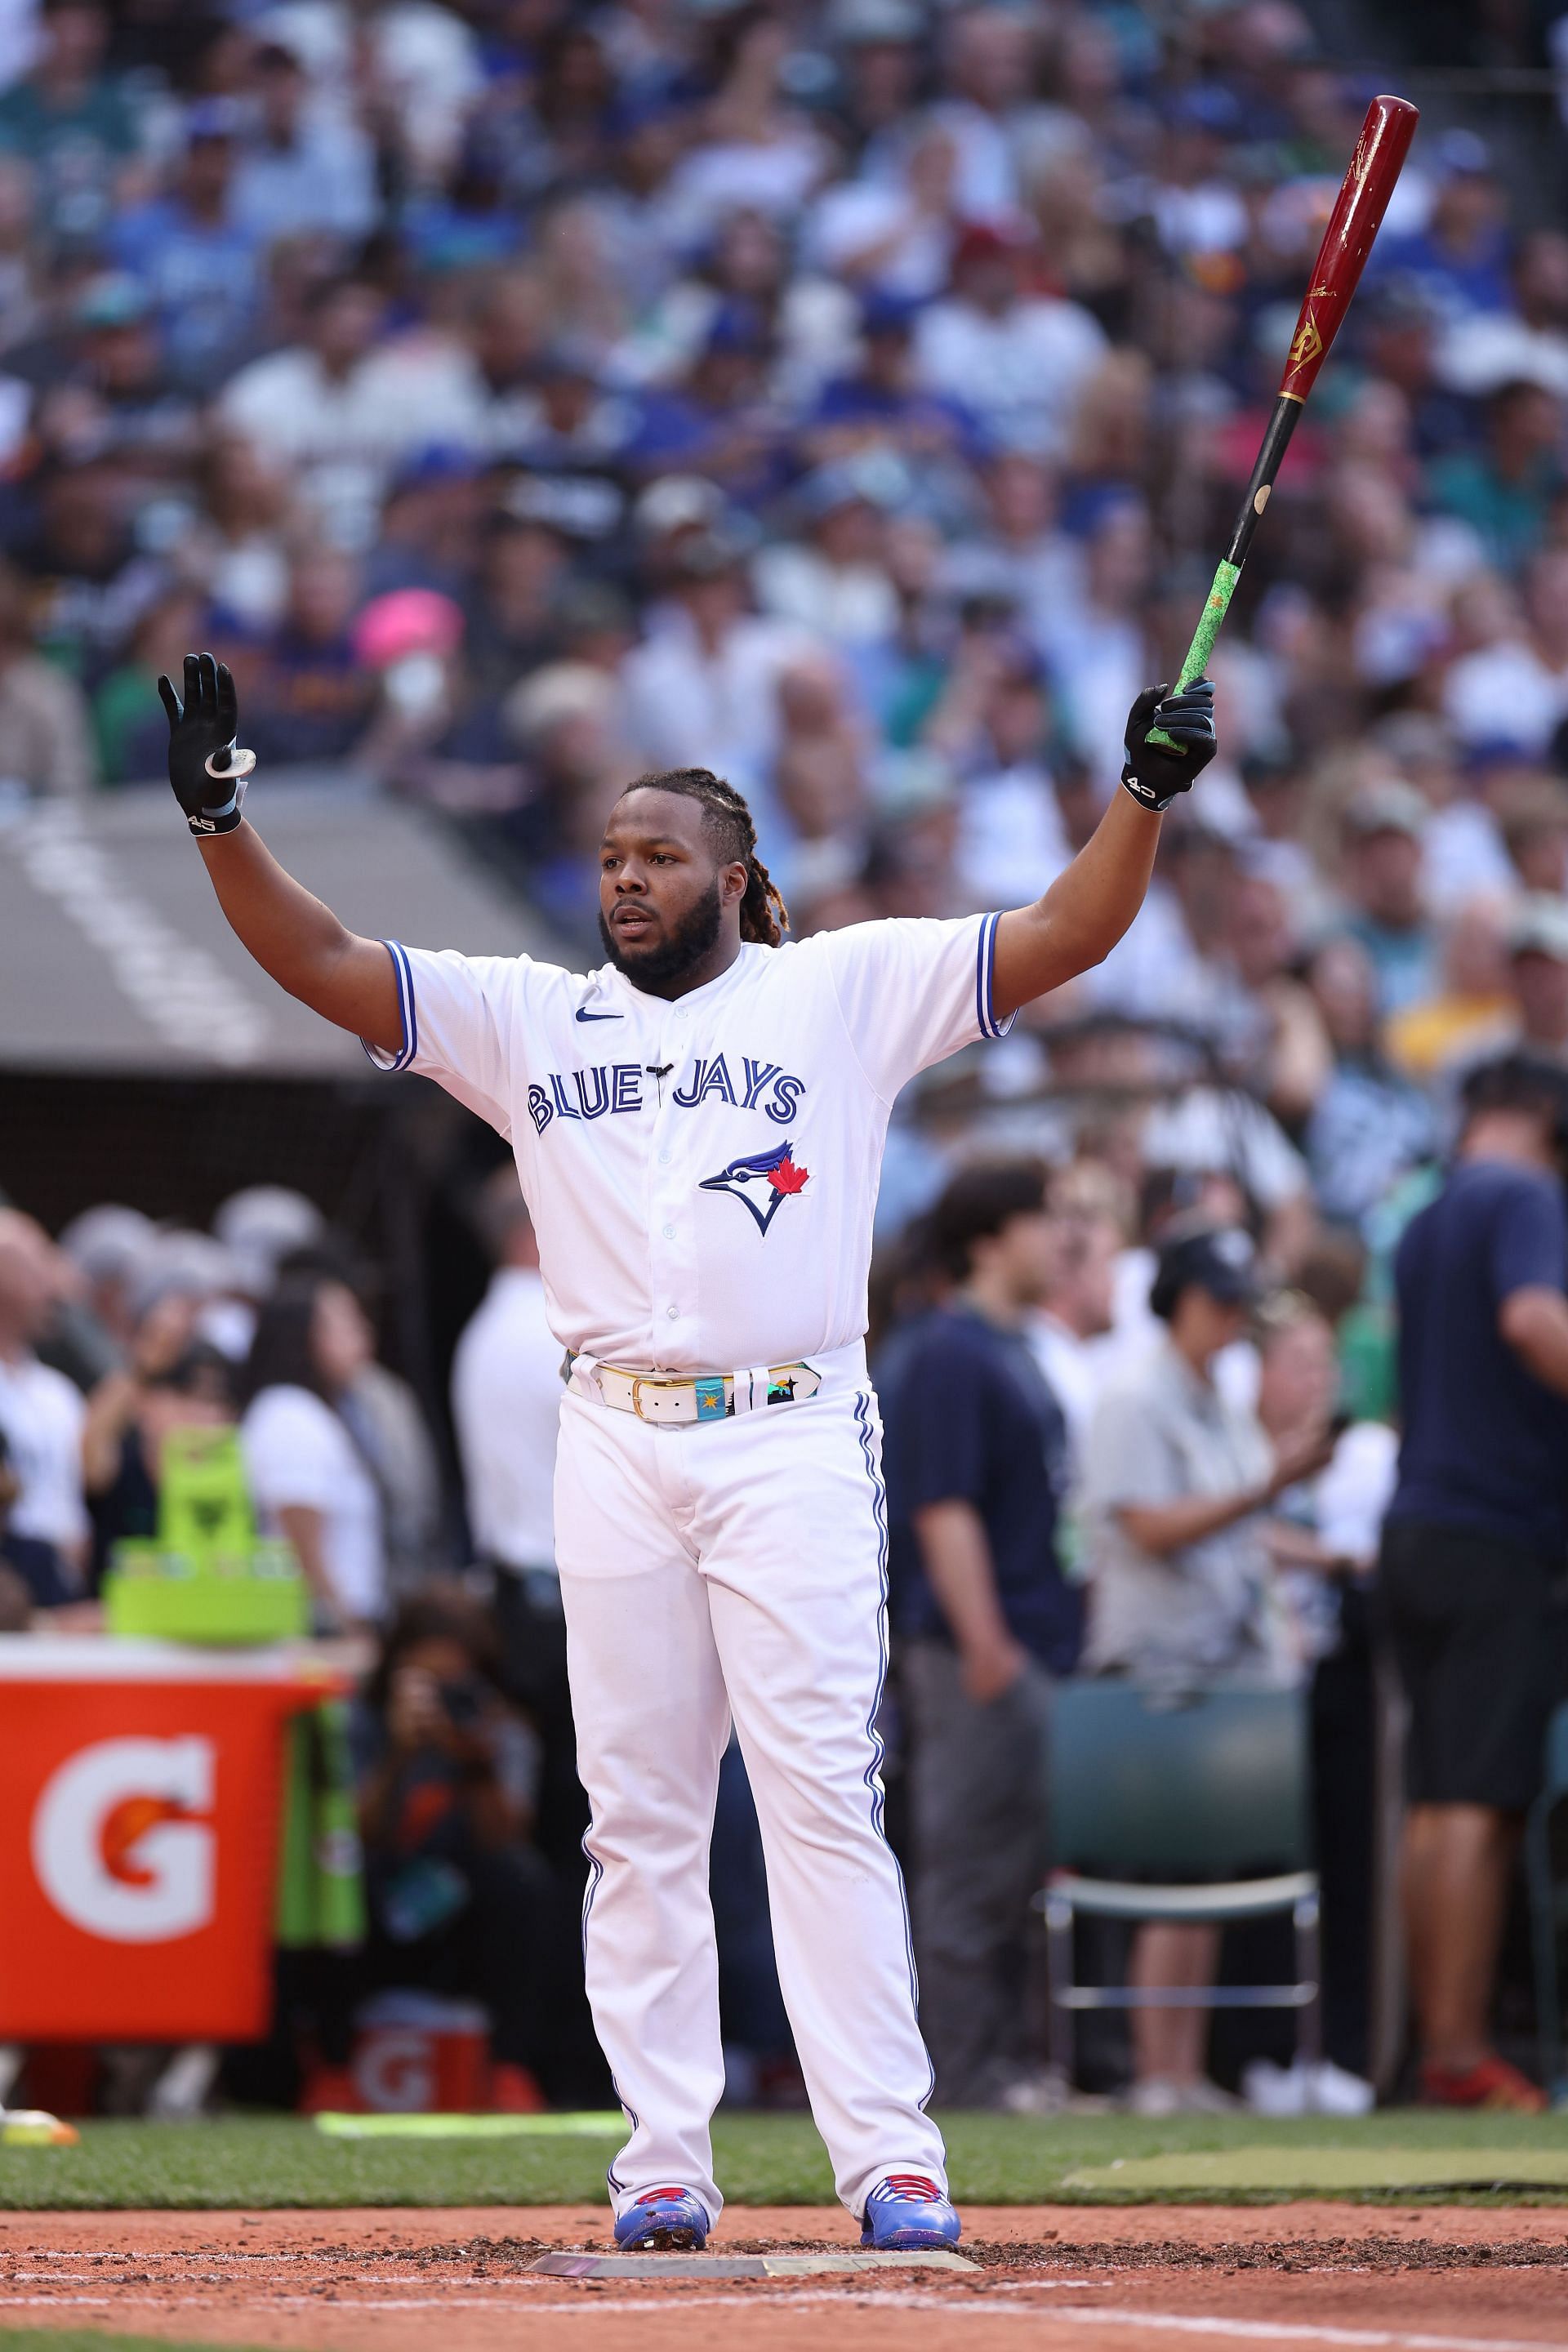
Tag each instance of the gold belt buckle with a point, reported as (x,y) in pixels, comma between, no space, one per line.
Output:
(641,1380)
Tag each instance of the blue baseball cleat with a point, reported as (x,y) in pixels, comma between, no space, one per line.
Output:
(907,2211)
(663,2222)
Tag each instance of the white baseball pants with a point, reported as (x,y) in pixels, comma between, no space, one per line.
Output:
(739,1569)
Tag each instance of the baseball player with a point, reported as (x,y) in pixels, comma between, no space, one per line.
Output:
(699,1128)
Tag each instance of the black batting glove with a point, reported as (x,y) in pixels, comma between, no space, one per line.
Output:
(1155,776)
(205,767)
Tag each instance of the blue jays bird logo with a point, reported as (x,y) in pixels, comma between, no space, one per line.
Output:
(761,1181)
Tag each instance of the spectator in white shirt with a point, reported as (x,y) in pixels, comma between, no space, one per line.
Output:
(505,1395)
(1018,360)
(506,1409)
(702,688)
(340,408)
(1079,1308)
(41,1417)
(1515,689)
(896,234)
(310,1482)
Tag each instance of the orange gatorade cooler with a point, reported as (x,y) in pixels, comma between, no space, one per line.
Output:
(139,1836)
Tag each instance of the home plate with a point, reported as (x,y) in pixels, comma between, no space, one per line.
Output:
(738,2266)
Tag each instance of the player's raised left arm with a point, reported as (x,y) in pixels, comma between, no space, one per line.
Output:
(1087,910)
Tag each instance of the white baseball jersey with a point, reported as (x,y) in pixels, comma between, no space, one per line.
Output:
(702,1173)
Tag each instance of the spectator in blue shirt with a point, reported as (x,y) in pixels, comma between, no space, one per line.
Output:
(199,264)
(303,167)
(1461,258)
(1472,1575)
(976,1468)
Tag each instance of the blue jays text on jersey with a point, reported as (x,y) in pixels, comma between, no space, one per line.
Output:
(670,1238)
(608,1088)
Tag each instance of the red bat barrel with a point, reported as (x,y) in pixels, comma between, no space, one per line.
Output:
(1359,207)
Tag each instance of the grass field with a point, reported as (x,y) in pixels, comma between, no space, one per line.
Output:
(89,2339)
(281,2161)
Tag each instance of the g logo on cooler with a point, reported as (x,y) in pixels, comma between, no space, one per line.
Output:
(118,1844)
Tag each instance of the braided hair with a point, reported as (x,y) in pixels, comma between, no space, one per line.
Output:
(765,918)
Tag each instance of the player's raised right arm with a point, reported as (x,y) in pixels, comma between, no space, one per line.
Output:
(346,979)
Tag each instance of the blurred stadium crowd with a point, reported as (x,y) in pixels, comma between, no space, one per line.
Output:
(848,398)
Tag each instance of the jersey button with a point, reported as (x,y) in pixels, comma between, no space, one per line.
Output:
(673,1313)
(663,1159)
(669,1232)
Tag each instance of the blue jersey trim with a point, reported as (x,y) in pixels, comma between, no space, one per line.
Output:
(985,983)
(409,1018)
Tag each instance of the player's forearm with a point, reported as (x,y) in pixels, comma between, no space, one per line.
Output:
(300,942)
(1083,914)
(1535,1323)
(1163,1529)
(1092,904)
(956,1556)
(284,926)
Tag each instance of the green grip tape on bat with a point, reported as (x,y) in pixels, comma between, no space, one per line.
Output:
(1198,652)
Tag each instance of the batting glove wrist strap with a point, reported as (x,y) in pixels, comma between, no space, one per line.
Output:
(1145,794)
(1156,771)
(232,767)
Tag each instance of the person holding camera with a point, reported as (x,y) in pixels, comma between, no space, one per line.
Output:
(460,1902)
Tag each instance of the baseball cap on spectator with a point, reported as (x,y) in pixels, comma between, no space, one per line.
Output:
(708,555)
(561,690)
(873,24)
(877,478)
(678,502)
(577,506)
(910,781)
(735,326)
(107,1243)
(594,608)
(1219,1259)
(571,356)
(214,118)
(1417,738)
(983,241)
(259,1227)
(184,1264)
(1206,106)
(884,312)
(1390,805)
(438,461)
(639,108)
(1463,155)
(1540,927)
(406,620)
(113,300)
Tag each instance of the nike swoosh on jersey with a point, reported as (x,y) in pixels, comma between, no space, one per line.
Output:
(582,1014)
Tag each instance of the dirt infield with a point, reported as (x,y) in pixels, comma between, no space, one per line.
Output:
(1334,2276)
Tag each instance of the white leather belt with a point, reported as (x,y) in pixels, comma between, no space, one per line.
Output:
(675,1400)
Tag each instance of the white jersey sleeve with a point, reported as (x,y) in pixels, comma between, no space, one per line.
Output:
(912,991)
(456,1013)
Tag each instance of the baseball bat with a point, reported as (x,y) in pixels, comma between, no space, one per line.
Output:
(1357,216)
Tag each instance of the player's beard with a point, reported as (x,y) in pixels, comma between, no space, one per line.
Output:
(683,947)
